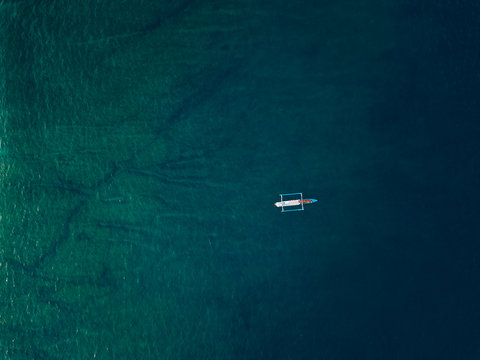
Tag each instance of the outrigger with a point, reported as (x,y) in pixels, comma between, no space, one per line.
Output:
(295,202)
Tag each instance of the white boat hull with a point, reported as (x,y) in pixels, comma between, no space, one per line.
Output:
(287,203)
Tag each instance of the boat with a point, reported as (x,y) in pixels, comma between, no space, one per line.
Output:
(298,203)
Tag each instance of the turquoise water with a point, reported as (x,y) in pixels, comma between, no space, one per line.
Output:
(144,143)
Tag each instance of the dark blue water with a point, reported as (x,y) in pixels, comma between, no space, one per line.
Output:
(143,145)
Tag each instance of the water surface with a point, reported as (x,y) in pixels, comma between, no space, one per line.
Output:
(144,143)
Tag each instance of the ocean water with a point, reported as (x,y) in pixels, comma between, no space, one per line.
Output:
(143,144)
